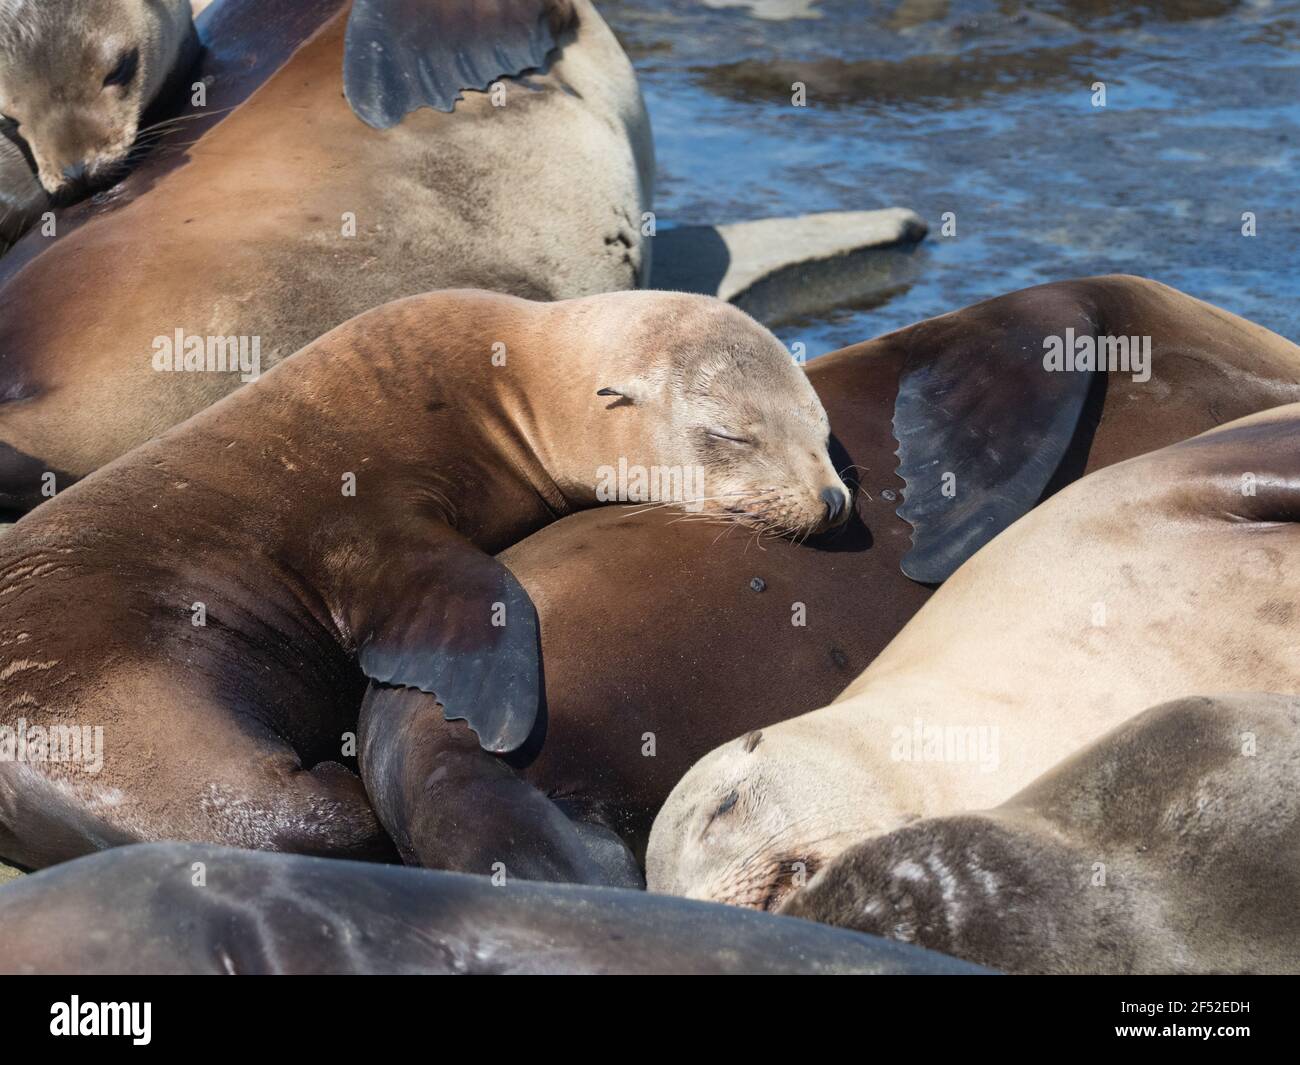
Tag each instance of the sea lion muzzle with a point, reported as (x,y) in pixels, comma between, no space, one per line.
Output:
(836,505)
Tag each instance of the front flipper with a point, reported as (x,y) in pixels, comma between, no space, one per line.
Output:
(437,614)
(982,424)
(449,805)
(401,55)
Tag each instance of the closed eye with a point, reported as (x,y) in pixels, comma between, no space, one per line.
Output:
(124,72)
(727,434)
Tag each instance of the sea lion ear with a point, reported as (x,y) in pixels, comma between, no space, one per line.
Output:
(983,424)
(634,392)
(401,55)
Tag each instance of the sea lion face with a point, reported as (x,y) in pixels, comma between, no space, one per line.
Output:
(727,406)
(757,429)
(884,887)
(753,820)
(976,886)
(76,76)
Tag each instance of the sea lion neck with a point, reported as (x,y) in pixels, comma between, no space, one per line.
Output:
(468,385)
(492,415)
(527,375)
(557,392)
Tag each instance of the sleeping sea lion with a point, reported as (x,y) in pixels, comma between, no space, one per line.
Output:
(1166,576)
(1171,845)
(665,636)
(186,636)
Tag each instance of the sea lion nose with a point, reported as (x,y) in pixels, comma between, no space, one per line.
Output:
(75,173)
(836,504)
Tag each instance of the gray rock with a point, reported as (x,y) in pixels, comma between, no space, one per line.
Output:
(782,268)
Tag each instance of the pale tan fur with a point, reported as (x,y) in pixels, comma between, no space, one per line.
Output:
(688,369)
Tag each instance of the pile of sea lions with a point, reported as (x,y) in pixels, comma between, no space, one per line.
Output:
(340,632)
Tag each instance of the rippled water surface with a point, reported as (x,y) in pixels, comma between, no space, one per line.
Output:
(984,108)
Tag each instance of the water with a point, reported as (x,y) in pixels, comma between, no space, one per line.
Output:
(984,108)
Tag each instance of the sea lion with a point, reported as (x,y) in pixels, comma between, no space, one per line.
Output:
(665,637)
(278,209)
(77,77)
(1162,577)
(1171,845)
(170,908)
(212,605)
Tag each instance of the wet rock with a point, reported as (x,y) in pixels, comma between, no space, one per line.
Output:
(778,269)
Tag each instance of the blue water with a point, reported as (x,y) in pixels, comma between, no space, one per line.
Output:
(985,109)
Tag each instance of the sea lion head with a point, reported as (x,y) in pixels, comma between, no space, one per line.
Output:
(999,891)
(1166,845)
(76,76)
(700,405)
(756,818)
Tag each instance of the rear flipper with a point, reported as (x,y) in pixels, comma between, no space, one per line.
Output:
(448,804)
